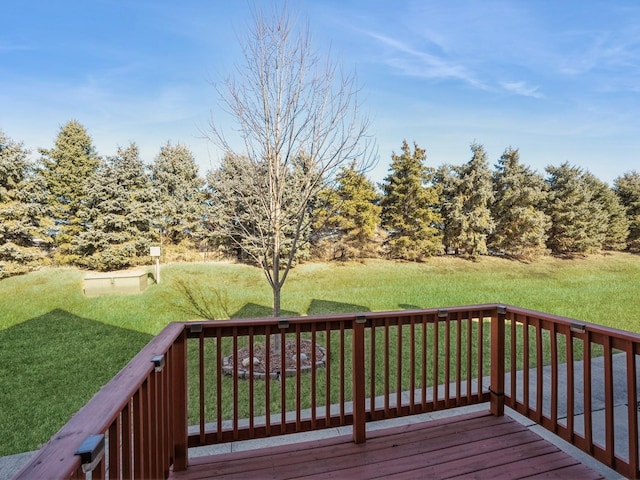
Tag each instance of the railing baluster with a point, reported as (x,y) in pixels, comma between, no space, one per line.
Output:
(298,381)
(138,436)
(469,375)
(201,384)
(412,365)
(251,381)
(480,366)
(459,358)
(358,376)
(436,360)
(570,387)
(554,378)
(608,402)
(632,410)
(399,329)
(127,463)
(219,385)
(372,361)
(539,372)
(342,374)
(526,366)
(447,359)
(314,361)
(179,384)
(154,438)
(386,368)
(267,379)
(423,363)
(234,379)
(329,356)
(513,327)
(283,381)
(588,426)
(166,415)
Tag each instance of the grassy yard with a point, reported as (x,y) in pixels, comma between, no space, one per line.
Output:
(59,347)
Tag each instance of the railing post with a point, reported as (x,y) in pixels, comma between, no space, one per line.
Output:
(497,361)
(359,413)
(179,397)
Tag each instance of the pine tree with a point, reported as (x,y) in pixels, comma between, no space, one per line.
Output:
(614,230)
(237,216)
(230,222)
(576,220)
(350,213)
(409,206)
(627,187)
(517,210)
(180,195)
(65,170)
(22,217)
(119,213)
(468,194)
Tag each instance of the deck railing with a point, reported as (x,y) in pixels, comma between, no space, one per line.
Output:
(204,383)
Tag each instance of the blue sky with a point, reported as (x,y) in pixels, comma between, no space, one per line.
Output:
(560,80)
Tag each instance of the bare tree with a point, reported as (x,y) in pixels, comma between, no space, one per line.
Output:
(297,114)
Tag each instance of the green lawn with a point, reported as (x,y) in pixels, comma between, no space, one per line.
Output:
(59,347)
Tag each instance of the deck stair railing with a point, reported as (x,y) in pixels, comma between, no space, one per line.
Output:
(203,383)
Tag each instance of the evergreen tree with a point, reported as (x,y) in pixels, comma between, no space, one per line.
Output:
(409,206)
(627,187)
(467,198)
(119,212)
(447,178)
(22,216)
(614,230)
(576,220)
(237,216)
(65,170)
(229,223)
(517,210)
(350,214)
(180,195)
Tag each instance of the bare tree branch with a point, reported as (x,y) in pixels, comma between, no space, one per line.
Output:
(298,115)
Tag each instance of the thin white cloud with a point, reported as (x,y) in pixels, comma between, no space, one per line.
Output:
(419,63)
(521,88)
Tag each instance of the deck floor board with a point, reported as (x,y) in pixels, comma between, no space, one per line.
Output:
(475,445)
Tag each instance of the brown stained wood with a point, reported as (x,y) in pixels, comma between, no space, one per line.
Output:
(201,384)
(497,364)
(179,403)
(412,364)
(632,413)
(398,387)
(358,377)
(476,445)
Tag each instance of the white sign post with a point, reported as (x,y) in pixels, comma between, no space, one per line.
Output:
(155,252)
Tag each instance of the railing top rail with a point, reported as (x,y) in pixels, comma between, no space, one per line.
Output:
(486,309)
(96,416)
(592,327)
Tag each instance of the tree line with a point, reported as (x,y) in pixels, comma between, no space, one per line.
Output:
(71,206)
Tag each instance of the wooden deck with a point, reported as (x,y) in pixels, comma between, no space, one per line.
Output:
(476,445)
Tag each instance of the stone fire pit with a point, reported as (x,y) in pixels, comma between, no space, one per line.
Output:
(242,370)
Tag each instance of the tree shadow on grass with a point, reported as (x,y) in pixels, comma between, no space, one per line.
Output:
(51,366)
(408,306)
(316,307)
(253,310)
(319,307)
